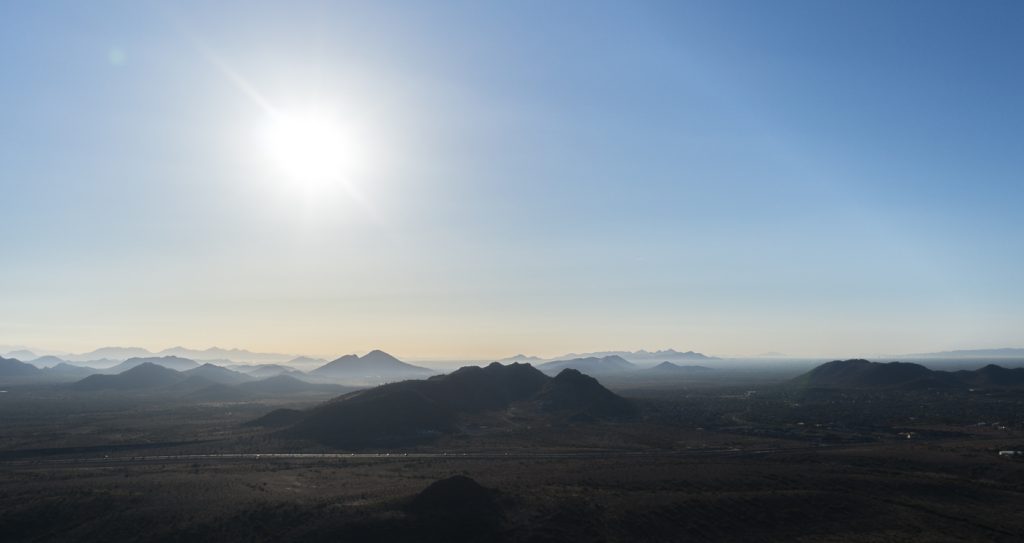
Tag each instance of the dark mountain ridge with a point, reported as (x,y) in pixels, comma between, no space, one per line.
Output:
(419,409)
(859,373)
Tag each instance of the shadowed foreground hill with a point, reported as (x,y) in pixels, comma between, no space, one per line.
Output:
(411,410)
(864,374)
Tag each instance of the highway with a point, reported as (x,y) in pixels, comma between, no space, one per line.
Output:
(384,456)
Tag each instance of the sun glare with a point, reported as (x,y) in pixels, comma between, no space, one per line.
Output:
(310,148)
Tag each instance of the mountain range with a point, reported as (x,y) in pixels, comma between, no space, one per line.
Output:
(171,362)
(636,357)
(203,383)
(669,355)
(591,365)
(211,354)
(421,409)
(373,368)
(863,374)
(971,353)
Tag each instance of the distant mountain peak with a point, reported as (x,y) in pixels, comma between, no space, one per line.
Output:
(375,364)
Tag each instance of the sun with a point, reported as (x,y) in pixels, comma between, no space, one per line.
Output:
(310,147)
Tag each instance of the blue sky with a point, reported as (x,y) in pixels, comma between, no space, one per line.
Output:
(815,178)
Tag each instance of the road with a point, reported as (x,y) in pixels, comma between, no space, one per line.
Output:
(385,456)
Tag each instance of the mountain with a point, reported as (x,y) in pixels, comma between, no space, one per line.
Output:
(591,365)
(642,356)
(217,374)
(668,368)
(114,353)
(374,365)
(10,367)
(420,409)
(171,362)
(47,361)
(859,373)
(66,370)
(522,359)
(904,375)
(100,363)
(261,371)
(992,376)
(22,355)
(144,376)
(459,509)
(217,353)
(571,390)
(305,361)
(206,355)
(1007,352)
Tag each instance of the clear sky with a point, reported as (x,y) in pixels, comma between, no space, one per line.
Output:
(814,178)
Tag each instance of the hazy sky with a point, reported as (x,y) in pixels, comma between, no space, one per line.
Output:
(812,177)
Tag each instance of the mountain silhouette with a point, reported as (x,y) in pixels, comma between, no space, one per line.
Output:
(581,394)
(992,376)
(859,373)
(218,374)
(305,361)
(113,353)
(420,409)
(645,356)
(591,365)
(456,509)
(66,370)
(374,365)
(170,362)
(668,368)
(22,355)
(262,371)
(46,361)
(225,355)
(521,358)
(144,376)
(1006,352)
(10,367)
